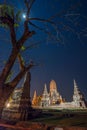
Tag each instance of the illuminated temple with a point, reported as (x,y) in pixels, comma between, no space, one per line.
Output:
(53,99)
(19,106)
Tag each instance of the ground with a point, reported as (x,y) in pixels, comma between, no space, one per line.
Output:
(51,119)
(63,117)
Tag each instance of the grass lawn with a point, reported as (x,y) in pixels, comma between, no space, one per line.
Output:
(63,118)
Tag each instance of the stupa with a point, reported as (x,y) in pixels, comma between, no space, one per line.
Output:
(34,100)
(45,101)
(78,97)
(18,106)
(55,97)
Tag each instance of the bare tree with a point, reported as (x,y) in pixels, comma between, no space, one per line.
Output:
(8,19)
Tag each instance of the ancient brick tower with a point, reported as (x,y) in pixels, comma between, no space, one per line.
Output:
(25,103)
(45,101)
(34,100)
(18,106)
(54,94)
(78,97)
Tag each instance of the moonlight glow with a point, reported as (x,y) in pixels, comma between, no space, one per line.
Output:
(24,16)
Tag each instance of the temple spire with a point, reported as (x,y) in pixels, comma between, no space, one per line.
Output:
(45,89)
(75,85)
(19,102)
(78,97)
(45,97)
(26,86)
(35,94)
(34,100)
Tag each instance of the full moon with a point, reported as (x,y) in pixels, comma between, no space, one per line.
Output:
(24,16)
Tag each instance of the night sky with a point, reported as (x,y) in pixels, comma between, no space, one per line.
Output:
(61,55)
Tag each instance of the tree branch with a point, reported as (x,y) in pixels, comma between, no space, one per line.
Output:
(21,61)
(20,75)
(13,56)
(29,5)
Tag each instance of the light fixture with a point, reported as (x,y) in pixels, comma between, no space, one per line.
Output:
(8,105)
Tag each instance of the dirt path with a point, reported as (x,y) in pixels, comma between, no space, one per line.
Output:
(14,127)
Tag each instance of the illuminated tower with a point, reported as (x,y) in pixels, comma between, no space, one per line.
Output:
(78,97)
(45,101)
(18,106)
(34,100)
(55,97)
(25,102)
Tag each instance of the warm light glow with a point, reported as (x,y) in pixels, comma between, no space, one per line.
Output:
(8,105)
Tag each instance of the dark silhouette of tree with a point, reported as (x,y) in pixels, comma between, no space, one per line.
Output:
(7,18)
